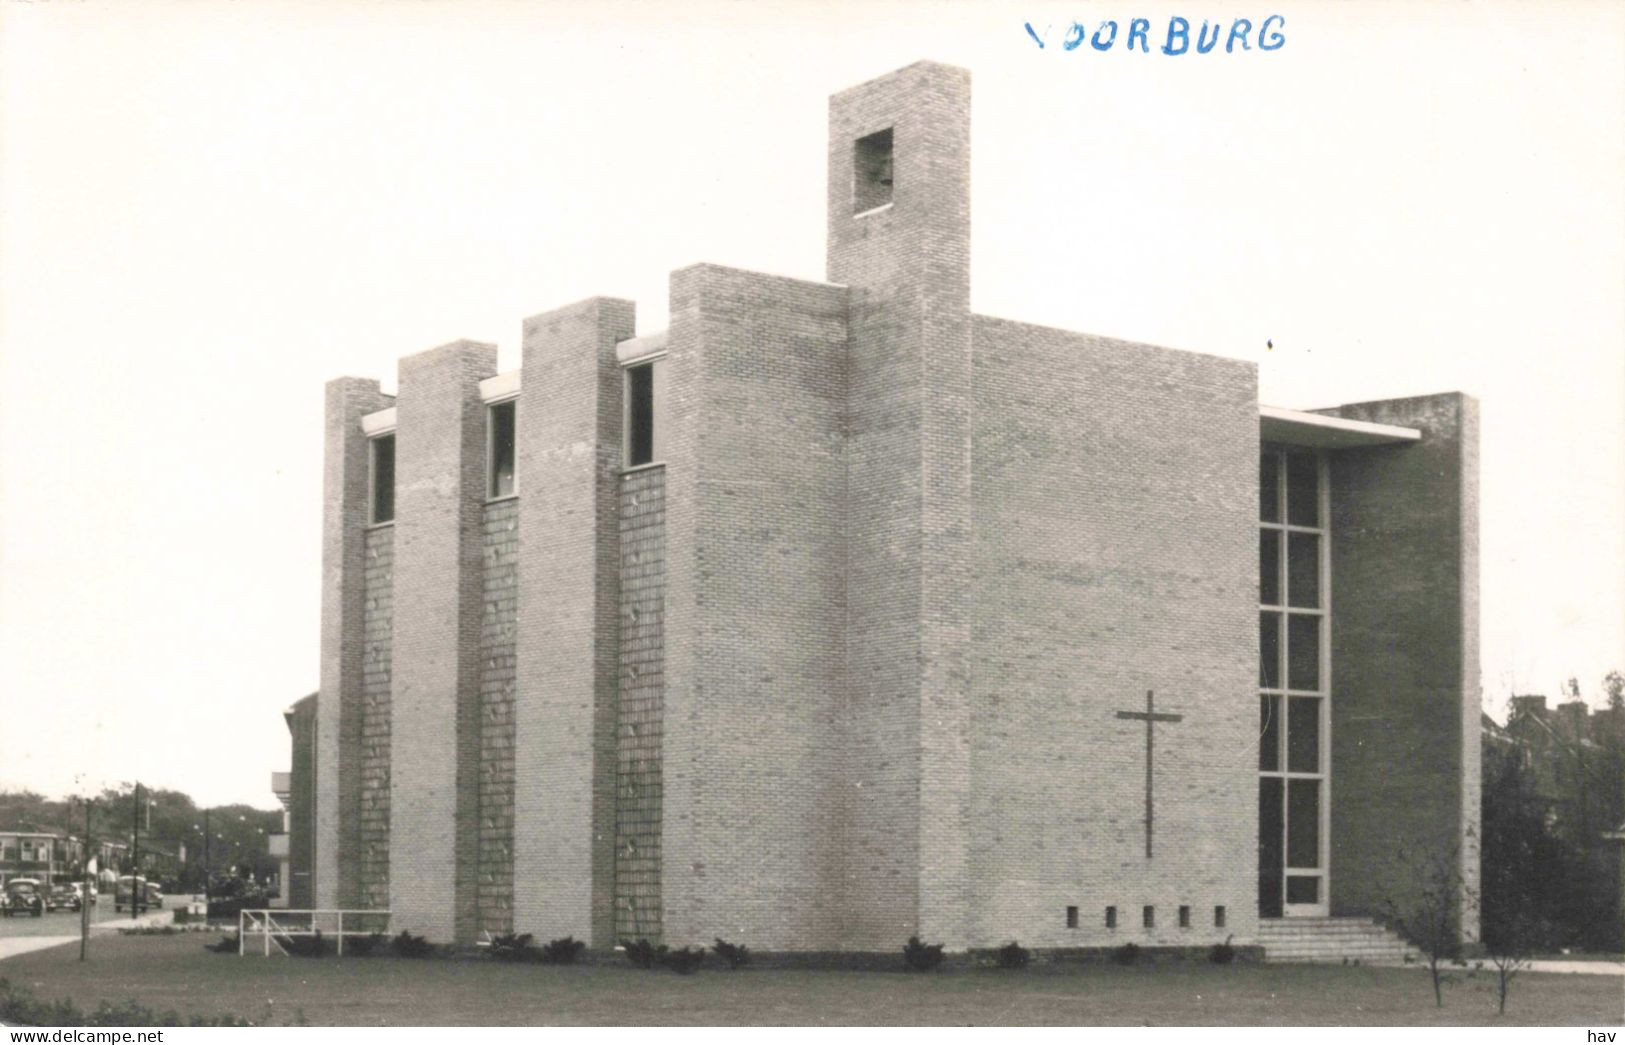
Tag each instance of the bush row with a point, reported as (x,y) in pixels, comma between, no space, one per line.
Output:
(684,960)
(404,945)
(918,956)
(19,1007)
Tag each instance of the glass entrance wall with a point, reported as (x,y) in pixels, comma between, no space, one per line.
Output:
(1294,688)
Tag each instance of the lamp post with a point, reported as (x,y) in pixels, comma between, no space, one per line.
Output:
(138,887)
(206,875)
(87,889)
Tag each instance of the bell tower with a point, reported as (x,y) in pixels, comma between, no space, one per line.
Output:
(899,238)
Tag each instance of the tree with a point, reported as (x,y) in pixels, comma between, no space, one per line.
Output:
(1528,871)
(1611,736)
(1431,917)
(1510,943)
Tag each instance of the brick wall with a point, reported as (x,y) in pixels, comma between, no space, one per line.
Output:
(498,621)
(344,517)
(1115,486)
(639,718)
(371,853)
(754,619)
(1405,686)
(567,656)
(435,704)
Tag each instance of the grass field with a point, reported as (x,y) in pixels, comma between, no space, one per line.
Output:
(174,972)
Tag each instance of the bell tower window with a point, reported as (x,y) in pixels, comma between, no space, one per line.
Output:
(872,171)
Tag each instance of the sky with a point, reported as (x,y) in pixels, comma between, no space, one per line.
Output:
(209,209)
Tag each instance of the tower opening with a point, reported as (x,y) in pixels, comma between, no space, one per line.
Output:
(872,171)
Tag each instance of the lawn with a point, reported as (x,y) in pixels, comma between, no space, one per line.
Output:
(174,972)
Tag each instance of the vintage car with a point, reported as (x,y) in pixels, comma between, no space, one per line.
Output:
(64,896)
(23,896)
(153,896)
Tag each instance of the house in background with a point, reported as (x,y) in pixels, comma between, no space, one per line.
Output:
(49,856)
(295,789)
(1573,760)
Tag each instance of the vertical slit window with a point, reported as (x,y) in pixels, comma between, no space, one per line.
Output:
(1303,735)
(1269,567)
(1184,916)
(1111,917)
(1303,651)
(383,479)
(1269,734)
(500,423)
(1302,490)
(1148,916)
(1071,917)
(1218,917)
(1269,487)
(1303,569)
(643,388)
(1269,650)
(1302,824)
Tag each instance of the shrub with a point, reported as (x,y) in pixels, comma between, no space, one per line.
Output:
(921,957)
(19,1007)
(1013,956)
(227,945)
(306,946)
(643,954)
(1222,953)
(562,951)
(362,946)
(406,945)
(684,960)
(1128,954)
(734,954)
(509,947)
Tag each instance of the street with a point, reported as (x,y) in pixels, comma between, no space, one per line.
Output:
(66,923)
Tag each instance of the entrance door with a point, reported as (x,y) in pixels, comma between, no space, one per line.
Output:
(1291,807)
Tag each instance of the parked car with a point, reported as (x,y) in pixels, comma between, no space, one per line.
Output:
(63,896)
(24,896)
(154,900)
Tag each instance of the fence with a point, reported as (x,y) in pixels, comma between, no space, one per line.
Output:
(331,924)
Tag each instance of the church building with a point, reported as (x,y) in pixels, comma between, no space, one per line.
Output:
(835,613)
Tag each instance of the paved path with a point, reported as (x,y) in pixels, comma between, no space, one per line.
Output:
(11,946)
(1594,968)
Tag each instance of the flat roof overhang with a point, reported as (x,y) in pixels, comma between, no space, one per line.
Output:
(1301,428)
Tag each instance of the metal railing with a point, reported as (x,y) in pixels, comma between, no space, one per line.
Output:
(330,923)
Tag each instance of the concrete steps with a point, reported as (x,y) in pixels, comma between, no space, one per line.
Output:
(1335,941)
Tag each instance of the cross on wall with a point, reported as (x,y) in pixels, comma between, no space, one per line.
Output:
(1150,717)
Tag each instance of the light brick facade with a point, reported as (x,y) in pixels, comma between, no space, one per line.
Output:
(845,663)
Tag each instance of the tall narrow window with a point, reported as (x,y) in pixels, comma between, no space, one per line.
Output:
(644,387)
(500,425)
(383,478)
(1294,720)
